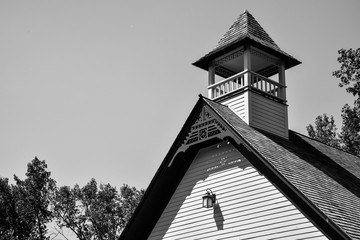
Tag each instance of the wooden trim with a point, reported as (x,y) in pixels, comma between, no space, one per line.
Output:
(282,77)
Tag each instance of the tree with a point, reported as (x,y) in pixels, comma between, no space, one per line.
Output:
(95,213)
(92,212)
(130,198)
(324,130)
(25,206)
(68,213)
(7,210)
(350,131)
(349,71)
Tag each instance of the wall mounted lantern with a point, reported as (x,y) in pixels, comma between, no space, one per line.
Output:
(209,199)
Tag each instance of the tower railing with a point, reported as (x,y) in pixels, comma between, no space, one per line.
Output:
(247,79)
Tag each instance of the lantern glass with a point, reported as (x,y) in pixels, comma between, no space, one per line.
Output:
(208,200)
(205,201)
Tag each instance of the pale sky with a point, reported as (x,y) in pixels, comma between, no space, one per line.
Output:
(102,88)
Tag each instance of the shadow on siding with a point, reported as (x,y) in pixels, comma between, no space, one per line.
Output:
(218,217)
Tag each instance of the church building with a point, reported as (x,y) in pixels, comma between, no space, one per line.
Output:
(236,171)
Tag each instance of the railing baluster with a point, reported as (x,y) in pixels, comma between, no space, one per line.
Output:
(263,85)
(244,79)
(266,86)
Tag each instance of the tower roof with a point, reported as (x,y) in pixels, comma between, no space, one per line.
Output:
(246,26)
(246,30)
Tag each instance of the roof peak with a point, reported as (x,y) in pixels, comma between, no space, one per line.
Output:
(246,26)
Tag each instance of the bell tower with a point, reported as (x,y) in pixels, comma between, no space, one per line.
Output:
(247,73)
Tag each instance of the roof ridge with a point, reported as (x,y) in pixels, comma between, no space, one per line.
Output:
(246,13)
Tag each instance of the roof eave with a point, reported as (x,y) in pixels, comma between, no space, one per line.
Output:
(206,60)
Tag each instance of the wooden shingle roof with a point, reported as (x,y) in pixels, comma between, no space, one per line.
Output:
(322,181)
(243,31)
(246,26)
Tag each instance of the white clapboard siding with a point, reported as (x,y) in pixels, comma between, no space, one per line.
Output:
(268,115)
(260,112)
(248,205)
(239,104)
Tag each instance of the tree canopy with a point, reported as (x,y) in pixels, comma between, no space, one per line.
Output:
(325,130)
(25,206)
(92,212)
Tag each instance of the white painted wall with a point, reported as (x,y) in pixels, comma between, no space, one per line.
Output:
(248,205)
(239,104)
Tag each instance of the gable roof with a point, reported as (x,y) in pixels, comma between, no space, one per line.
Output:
(245,30)
(324,182)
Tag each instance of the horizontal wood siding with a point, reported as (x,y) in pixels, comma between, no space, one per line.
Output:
(268,115)
(239,105)
(248,206)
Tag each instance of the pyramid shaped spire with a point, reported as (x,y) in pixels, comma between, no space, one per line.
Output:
(246,30)
(246,26)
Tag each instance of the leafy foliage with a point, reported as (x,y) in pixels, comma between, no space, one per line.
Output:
(325,131)
(130,198)
(95,213)
(349,71)
(24,206)
(350,131)
(7,211)
(91,212)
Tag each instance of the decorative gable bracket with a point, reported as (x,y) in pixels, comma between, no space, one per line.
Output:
(204,128)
